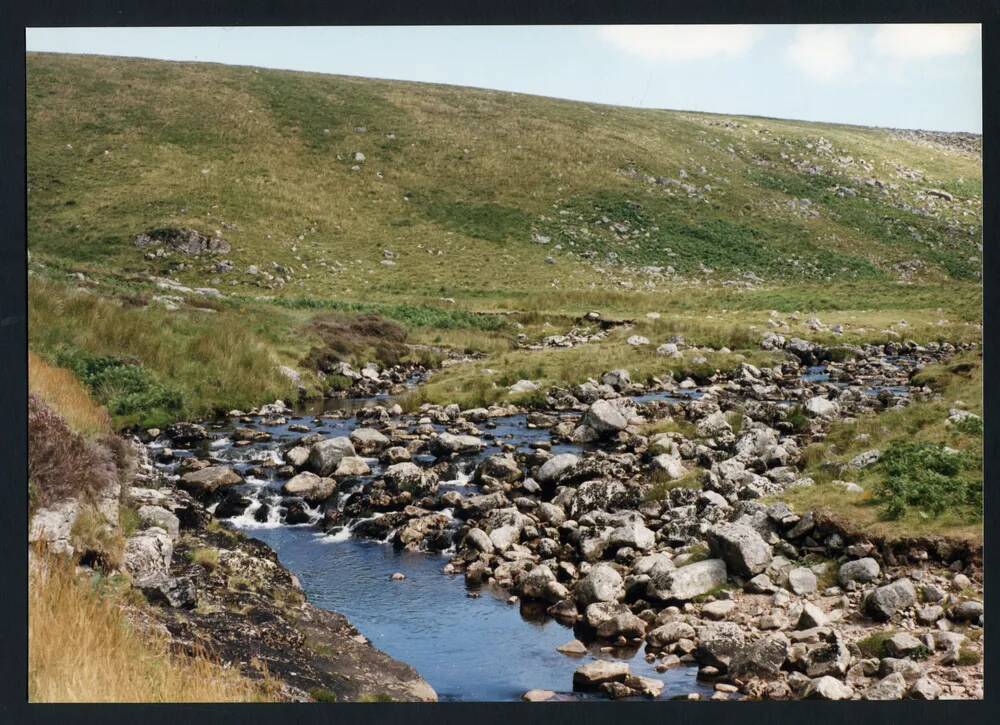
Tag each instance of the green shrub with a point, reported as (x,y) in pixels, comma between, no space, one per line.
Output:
(928,477)
(125,387)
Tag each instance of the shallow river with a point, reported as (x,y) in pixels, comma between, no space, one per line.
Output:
(466,647)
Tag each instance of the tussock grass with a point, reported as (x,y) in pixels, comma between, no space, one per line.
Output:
(60,389)
(178,364)
(81,648)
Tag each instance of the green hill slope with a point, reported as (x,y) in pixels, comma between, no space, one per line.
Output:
(460,184)
(431,204)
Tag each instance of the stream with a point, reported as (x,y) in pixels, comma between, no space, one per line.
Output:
(468,644)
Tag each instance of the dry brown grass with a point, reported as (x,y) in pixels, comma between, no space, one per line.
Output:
(81,649)
(63,392)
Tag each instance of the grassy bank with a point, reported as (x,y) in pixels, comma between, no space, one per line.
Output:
(923,485)
(83,648)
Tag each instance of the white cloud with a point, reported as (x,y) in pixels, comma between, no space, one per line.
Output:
(680,42)
(823,53)
(924,40)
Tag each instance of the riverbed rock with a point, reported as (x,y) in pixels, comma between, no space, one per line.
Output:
(592,675)
(604,418)
(821,407)
(602,494)
(762,658)
(325,455)
(827,688)
(686,582)
(892,687)
(741,547)
(208,480)
(718,643)
(297,456)
(886,600)
(310,487)
(552,470)
(445,444)
(352,467)
(602,584)
(540,583)
(501,467)
(368,441)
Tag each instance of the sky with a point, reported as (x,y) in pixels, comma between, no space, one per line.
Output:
(903,76)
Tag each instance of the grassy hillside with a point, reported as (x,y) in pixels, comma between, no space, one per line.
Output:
(466,202)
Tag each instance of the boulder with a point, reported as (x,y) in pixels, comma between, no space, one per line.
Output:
(540,583)
(161,517)
(687,582)
(446,444)
(147,557)
(604,418)
(634,535)
(802,581)
(762,658)
(602,584)
(821,407)
(741,547)
(602,494)
(207,481)
(892,687)
(310,487)
(718,643)
(368,440)
(886,600)
(827,688)
(667,634)
(351,467)
(325,455)
(668,467)
(593,674)
(555,467)
(862,571)
(500,466)
(297,456)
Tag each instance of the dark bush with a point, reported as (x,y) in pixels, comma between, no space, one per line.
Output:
(61,462)
(347,337)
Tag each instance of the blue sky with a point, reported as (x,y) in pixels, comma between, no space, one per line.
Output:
(908,76)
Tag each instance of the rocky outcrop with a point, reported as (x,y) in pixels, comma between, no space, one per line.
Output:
(185,241)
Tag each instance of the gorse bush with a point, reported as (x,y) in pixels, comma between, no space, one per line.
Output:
(929,478)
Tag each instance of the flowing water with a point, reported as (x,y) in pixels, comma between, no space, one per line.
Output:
(469,645)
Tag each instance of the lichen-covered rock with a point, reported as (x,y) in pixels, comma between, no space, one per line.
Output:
(686,582)
(886,600)
(741,547)
(325,455)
